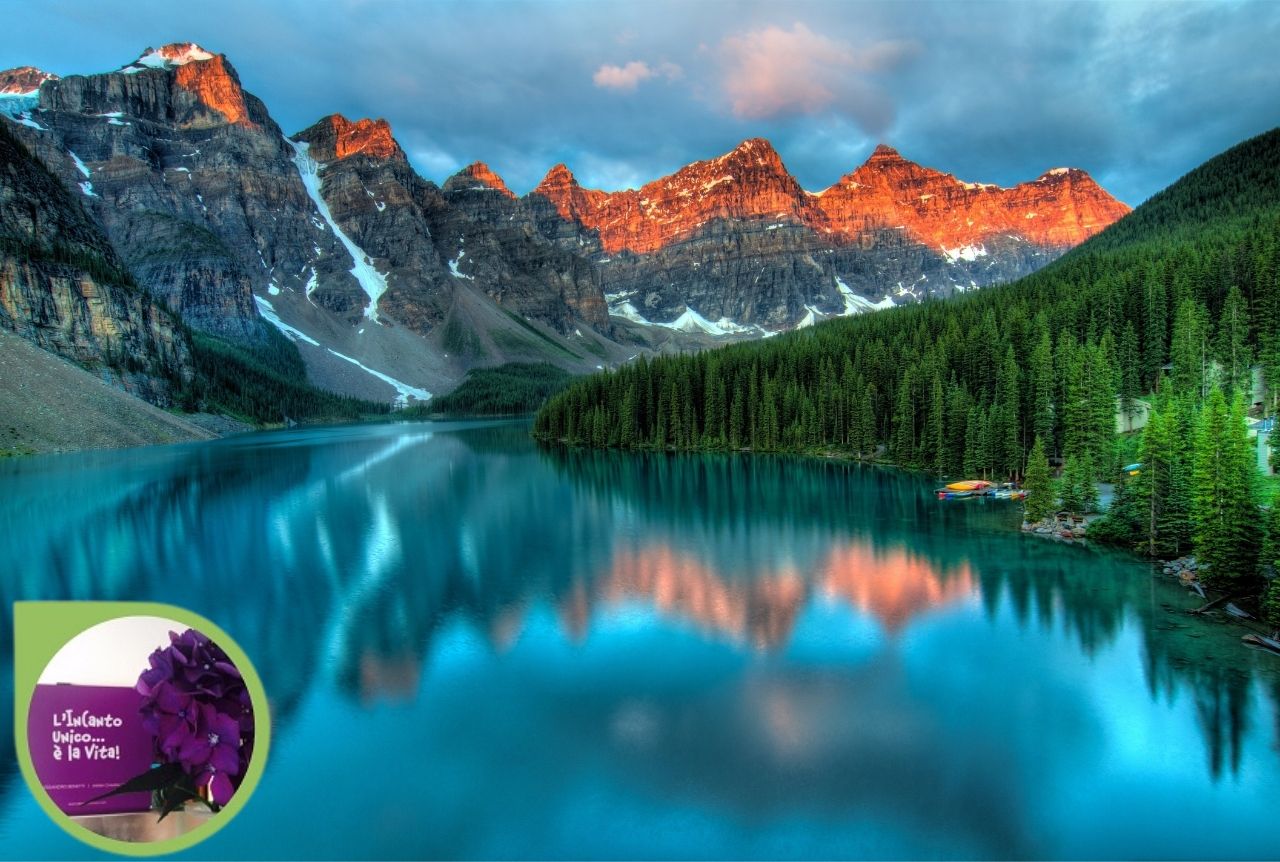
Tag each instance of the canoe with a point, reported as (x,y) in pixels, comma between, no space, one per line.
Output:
(944,494)
(969,485)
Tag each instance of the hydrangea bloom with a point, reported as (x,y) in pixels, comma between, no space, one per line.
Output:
(197,708)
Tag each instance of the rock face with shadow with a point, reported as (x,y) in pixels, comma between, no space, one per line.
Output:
(64,288)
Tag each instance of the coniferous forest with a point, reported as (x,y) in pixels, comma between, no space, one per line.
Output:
(1168,310)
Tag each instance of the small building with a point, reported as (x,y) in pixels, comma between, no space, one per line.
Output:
(1260,430)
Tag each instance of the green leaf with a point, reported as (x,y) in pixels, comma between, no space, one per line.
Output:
(175,798)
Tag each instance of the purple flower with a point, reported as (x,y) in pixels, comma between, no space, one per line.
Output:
(215,786)
(169,715)
(215,741)
(196,706)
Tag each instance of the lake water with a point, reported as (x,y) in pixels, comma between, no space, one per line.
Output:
(478,648)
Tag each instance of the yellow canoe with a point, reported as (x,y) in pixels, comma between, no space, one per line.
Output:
(969,485)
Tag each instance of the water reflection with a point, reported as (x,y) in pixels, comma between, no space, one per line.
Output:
(762,635)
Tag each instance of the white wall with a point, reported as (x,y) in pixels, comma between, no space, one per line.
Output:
(110,653)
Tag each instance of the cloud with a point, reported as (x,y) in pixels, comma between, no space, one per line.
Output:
(628,77)
(772,72)
(1135,93)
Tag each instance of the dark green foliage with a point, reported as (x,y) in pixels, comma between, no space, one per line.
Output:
(507,390)
(1271,603)
(1078,492)
(1224,516)
(1270,553)
(933,382)
(1040,501)
(264,384)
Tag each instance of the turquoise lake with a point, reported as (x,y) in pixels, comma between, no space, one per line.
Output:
(478,648)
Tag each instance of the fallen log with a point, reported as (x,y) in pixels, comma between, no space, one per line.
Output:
(1263,642)
(1220,600)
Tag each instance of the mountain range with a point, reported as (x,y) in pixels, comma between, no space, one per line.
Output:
(160,202)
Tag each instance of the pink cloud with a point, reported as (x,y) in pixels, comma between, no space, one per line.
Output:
(628,77)
(771,71)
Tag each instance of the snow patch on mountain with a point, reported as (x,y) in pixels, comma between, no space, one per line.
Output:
(80,166)
(689,321)
(267,312)
(18,107)
(811,316)
(453,266)
(372,282)
(168,57)
(13,104)
(964,252)
(404,390)
(855,304)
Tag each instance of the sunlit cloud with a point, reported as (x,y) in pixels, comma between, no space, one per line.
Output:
(771,72)
(628,77)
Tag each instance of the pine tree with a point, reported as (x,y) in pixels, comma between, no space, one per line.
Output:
(1079,494)
(1042,389)
(1162,490)
(1189,351)
(1130,373)
(1039,503)
(1006,439)
(1232,346)
(1224,515)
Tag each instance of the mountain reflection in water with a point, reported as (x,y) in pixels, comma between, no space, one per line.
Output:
(718,655)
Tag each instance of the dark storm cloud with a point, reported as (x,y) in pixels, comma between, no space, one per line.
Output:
(622,92)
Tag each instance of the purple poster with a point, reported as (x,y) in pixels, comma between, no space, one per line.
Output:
(86,740)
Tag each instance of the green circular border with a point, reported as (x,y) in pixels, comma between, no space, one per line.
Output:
(40,629)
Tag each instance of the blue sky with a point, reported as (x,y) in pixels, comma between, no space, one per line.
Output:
(1135,93)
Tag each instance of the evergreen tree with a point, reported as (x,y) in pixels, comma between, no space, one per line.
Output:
(1042,389)
(1189,351)
(1232,346)
(1040,502)
(1079,494)
(1224,515)
(1130,382)
(1006,437)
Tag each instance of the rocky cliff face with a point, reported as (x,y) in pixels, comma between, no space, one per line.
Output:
(429,242)
(195,185)
(1060,209)
(23,80)
(63,287)
(737,239)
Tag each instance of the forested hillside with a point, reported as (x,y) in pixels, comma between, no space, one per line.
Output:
(1185,287)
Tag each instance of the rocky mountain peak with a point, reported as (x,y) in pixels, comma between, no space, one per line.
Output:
(23,80)
(169,56)
(335,137)
(558,178)
(752,155)
(478,175)
(885,153)
(205,75)
(1060,209)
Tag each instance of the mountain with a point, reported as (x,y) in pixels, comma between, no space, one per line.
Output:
(738,239)
(64,288)
(391,287)
(1189,279)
